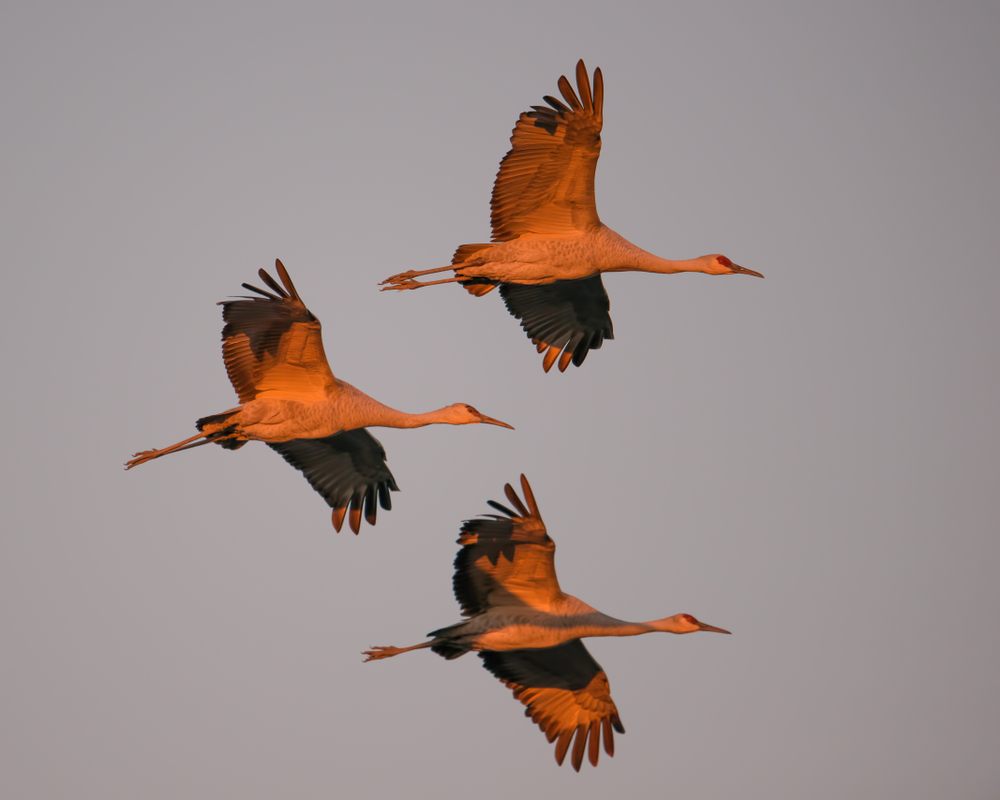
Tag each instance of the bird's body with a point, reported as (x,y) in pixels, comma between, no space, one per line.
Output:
(515,628)
(271,419)
(547,233)
(534,259)
(528,631)
(273,349)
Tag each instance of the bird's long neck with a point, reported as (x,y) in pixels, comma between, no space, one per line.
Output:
(386,417)
(647,262)
(359,408)
(404,420)
(603,625)
(626,257)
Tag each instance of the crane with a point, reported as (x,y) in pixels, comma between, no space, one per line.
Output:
(549,247)
(527,630)
(273,349)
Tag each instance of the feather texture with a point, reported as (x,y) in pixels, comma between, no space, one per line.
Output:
(273,345)
(506,561)
(567,318)
(347,469)
(566,693)
(545,184)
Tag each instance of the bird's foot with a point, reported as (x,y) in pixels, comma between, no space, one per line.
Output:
(380,652)
(401,285)
(400,277)
(141,458)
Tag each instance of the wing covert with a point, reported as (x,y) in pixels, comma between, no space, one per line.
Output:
(347,469)
(545,184)
(273,345)
(566,693)
(506,560)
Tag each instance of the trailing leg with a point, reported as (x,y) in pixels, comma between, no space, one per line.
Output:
(219,429)
(387,652)
(148,455)
(402,277)
(401,285)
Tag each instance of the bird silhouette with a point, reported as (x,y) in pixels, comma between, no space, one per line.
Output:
(273,349)
(549,247)
(527,630)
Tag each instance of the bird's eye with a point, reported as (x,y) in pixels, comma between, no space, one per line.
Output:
(725,261)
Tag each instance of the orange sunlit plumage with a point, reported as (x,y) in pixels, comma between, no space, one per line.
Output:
(549,246)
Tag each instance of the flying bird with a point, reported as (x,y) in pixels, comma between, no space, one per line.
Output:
(527,630)
(549,247)
(289,399)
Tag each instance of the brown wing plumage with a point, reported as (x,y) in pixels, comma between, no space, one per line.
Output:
(566,692)
(506,560)
(273,345)
(546,182)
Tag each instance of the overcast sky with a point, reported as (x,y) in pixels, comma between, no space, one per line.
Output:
(811,461)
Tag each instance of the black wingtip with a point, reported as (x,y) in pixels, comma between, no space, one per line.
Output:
(529,497)
(557,104)
(583,83)
(501,508)
(286,279)
(272,283)
(252,288)
(515,500)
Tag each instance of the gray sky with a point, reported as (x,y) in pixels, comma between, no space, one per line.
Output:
(810,461)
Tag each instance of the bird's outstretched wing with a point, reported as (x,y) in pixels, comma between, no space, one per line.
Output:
(273,345)
(506,560)
(348,469)
(567,319)
(566,692)
(546,181)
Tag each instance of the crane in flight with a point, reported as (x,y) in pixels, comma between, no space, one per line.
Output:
(273,349)
(528,632)
(549,247)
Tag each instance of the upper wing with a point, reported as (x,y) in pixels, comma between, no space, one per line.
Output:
(564,314)
(273,345)
(506,561)
(347,469)
(546,181)
(566,692)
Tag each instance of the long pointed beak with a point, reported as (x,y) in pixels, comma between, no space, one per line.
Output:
(738,270)
(702,626)
(491,421)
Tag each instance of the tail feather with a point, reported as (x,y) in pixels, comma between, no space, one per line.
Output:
(215,419)
(448,644)
(449,650)
(478,286)
(474,286)
(219,431)
(465,251)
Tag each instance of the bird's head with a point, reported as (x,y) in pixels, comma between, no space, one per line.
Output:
(685,623)
(464,414)
(720,265)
